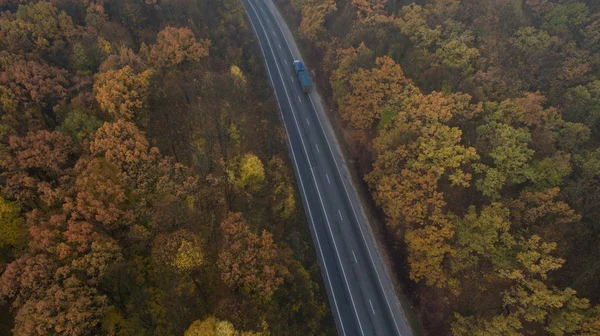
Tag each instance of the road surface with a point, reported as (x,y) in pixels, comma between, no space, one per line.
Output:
(360,293)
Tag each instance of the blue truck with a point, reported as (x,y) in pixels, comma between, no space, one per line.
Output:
(303,76)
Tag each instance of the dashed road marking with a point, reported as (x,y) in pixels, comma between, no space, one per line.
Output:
(354,255)
(372,309)
(308,122)
(326,175)
(341,217)
(318,148)
(299,100)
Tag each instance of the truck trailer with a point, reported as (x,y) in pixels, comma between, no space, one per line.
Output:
(302,76)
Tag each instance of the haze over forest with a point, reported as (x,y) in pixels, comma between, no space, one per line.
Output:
(146,186)
(476,127)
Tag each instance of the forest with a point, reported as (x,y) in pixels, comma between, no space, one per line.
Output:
(145,185)
(474,126)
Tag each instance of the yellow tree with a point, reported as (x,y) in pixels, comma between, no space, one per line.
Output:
(180,250)
(38,27)
(415,151)
(177,45)
(372,92)
(252,173)
(12,232)
(313,18)
(122,93)
(371,11)
(212,326)
(348,62)
(530,302)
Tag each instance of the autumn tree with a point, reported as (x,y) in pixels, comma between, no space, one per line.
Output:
(482,237)
(42,150)
(282,200)
(412,22)
(12,230)
(37,27)
(70,308)
(313,18)
(348,61)
(34,167)
(122,93)
(124,57)
(53,286)
(583,105)
(79,124)
(249,261)
(212,326)
(508,148)
(31,85)
(180,250)
(124,145)
(372,93)
(530,300)
(416,150)
(177,45)
(371,11)
(252,173)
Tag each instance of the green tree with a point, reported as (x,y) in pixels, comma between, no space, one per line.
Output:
(565,16)
(510,154)
(12,230)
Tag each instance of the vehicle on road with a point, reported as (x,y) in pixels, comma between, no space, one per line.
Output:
(303,76)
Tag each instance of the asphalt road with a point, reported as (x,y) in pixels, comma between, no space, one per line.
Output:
(360,293)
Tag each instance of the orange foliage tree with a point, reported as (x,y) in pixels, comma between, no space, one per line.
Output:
(250,261)
(313,18)
(122,93)
(177,45)
(29,84)
(416,150)
(372,92)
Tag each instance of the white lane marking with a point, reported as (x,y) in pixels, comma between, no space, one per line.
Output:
(346,191)
(279,46)
(299,100)
(308,122)
(387,301)
(312,221)
(285,61)
(327,175)
(317,148)
(315,183)
(273,34)
(372,309)
(292,78)
(341,217)
(354,255)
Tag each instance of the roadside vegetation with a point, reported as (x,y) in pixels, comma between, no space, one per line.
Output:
(475,125)
(145,187)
